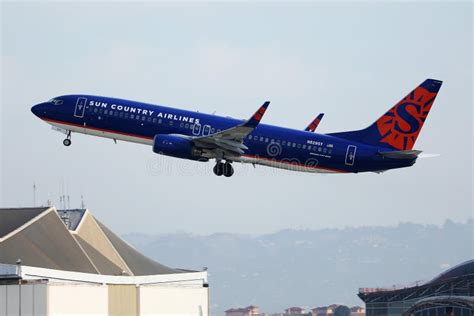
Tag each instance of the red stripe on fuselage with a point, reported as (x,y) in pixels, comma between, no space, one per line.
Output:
(294,163)
(95,128)
(150,138)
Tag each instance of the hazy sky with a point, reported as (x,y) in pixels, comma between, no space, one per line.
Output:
(352,61)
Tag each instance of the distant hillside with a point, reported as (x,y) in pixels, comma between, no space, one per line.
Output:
(311,267)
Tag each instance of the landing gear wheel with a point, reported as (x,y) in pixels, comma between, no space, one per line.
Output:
(218,169)
(228,170)
(67,142)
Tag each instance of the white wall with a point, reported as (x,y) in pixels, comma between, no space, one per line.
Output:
(92,300)
(33,300)
(70,300)
(173,300)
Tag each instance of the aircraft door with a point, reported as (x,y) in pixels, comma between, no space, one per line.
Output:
(206,130)
(197,129)
(80,107)
(350,155)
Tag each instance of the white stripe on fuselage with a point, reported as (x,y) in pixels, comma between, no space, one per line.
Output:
(280,164)
(244,159)
(94,132)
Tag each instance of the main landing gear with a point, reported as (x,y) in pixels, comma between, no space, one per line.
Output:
(67,141)
(224,169)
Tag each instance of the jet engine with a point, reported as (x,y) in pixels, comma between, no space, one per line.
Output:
(175,146)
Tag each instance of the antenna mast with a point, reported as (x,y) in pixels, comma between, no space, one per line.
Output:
(34,194)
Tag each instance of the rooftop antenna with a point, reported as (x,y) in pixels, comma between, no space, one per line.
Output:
(68,203)
(48,202)
(34,194)
(62,198)
(83,206)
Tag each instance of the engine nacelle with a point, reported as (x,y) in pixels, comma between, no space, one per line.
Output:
(176,146)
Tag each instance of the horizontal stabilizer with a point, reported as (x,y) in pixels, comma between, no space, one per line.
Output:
(401,154)
(425,155)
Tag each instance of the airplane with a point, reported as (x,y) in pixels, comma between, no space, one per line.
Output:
(386,144)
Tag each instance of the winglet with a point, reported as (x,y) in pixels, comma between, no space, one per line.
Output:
(257,117)
(314,124)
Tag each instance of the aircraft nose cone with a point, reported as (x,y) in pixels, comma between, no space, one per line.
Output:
(38,110)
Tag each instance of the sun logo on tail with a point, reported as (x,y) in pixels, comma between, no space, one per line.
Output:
(400,126)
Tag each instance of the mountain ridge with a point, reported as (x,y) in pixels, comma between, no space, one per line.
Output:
(307,267)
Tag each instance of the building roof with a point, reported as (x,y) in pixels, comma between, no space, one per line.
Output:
(71,218)
(460,270)
(11,219)
(243,309)
(70,240)
(453,281)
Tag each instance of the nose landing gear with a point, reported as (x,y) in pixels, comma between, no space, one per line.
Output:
(224,169)
(67,142)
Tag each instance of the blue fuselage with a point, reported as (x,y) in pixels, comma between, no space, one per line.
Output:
(268,145)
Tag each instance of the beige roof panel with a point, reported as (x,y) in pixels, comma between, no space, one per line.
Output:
(46,243)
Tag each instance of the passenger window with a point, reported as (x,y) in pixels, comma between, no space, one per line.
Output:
(261,139)
(143,118)
(325,150)
(186,126)
(149,119)
(132,116)
(266,140)
(294,145)
(160,121)
(181,125)
(106,112)
(154,120)
(283,142)
(304,146)
(95,110)
(126,115)
(299,146)
(319,149)
(309,147)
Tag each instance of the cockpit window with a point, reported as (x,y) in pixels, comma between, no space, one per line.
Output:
(56,101)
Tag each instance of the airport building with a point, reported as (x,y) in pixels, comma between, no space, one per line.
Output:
(69,263)
(449,294)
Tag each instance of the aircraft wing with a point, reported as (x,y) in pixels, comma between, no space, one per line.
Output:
(231,140)
(314,124)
